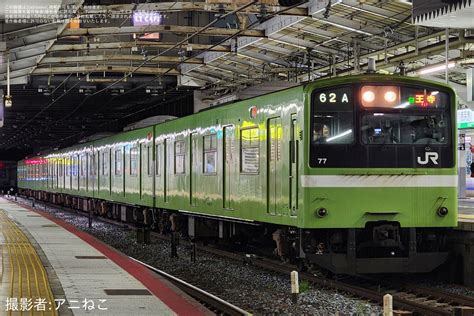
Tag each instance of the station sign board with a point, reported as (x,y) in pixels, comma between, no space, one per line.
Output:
(148,18)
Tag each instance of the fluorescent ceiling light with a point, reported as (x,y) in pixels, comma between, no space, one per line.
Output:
(339,135)
(344,26)
(432,69)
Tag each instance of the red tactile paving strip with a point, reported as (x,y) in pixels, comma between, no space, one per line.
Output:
(175,301)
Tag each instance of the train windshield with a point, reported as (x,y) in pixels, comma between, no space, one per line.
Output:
(388,128)
(384,126)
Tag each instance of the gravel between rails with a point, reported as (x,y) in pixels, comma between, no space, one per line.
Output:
(255,290)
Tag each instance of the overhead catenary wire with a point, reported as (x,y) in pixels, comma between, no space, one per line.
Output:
(180,43)
(194,55)
(142,64)
(157,77)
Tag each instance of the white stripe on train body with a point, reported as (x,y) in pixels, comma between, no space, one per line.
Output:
(378,181)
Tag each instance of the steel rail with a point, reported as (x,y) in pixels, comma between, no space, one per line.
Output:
(222,306)
(283,268)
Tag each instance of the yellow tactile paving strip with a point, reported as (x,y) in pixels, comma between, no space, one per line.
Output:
(29,286)
(466,216)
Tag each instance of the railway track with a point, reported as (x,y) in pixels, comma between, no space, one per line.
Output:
(212,302)
(406,296)
(409,298)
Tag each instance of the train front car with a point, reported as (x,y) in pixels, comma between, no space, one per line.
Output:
(380,182)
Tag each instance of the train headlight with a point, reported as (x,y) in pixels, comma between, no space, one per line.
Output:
(321,212)
(368,96)
(390,96)
(443,211)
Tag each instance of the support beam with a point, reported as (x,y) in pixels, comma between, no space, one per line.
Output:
(437,48)
(376,11)
(178,6)
(124,30)
(330,36)
(350,25)
(125,45)
(301,43)
(106,58)
(119,69)
(18,42)
(265,58)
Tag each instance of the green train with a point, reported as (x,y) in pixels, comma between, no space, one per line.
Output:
(355,174)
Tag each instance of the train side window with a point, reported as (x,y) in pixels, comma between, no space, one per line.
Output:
(249,151)
(149,165)
(75,170)
(179,157)
(68,167)
(118,162)
(105,163)
(83,165)
(61,166)
(158,158)
(210,154)
(133,161)
(93,164)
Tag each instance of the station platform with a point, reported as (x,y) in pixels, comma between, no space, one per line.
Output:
(51,268)
(466,214)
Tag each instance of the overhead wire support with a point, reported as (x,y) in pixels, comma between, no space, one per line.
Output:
(193,56)
(186,40)
(230,37)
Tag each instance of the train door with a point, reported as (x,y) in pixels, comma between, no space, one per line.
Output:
(166,169)
(293,177)
(275,167)
(228,163)
(194,167)
(56,178)
(144,168)
(159,174)
(54,182)
(93,174)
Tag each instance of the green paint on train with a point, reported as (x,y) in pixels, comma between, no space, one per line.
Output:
(343,153)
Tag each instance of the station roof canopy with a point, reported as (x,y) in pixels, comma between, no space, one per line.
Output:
(126,57)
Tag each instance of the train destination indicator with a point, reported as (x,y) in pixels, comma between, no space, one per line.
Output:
(422,100)
(332,99)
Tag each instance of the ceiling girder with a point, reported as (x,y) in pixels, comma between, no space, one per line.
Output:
(178,29)
(177,6)
(117,57)
(123,45)
(110,69)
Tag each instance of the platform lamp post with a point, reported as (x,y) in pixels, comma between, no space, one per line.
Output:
(8,98)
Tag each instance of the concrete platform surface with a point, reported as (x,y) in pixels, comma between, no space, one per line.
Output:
(82,269)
